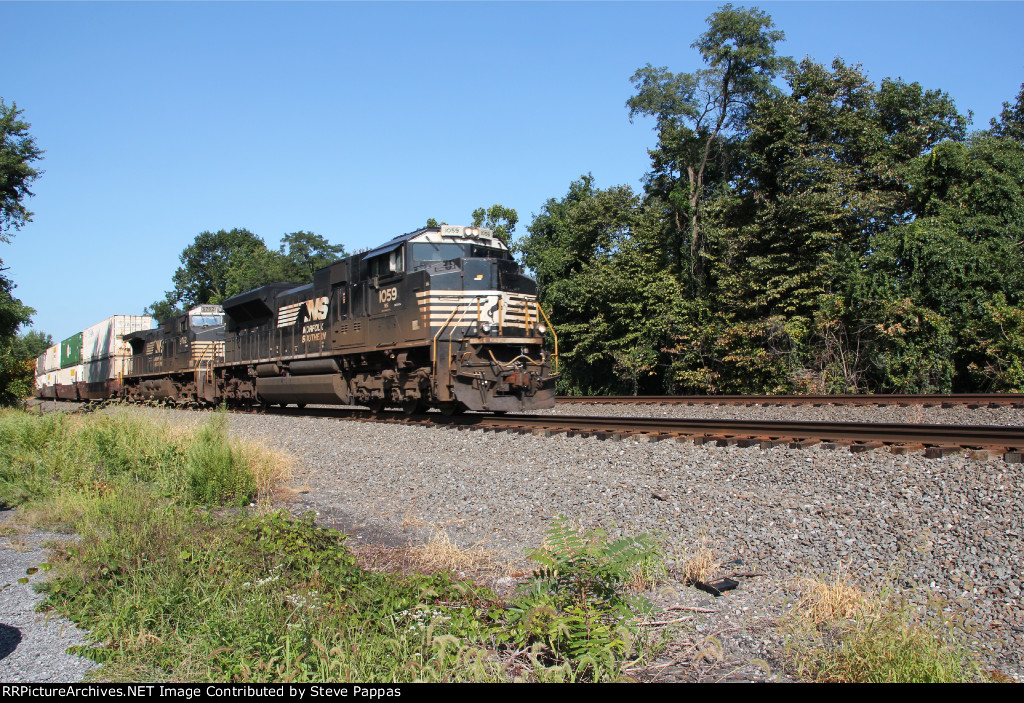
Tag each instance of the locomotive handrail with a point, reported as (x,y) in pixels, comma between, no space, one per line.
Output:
(507,364)
(553,333)
(441,329)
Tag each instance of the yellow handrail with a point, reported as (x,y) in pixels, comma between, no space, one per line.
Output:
(433,351)
(553,333)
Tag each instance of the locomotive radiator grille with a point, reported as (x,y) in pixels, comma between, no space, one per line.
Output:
(501,309)
(206,351)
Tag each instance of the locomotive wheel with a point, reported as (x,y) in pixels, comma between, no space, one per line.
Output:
(376,405)
(411,406)
(451,409)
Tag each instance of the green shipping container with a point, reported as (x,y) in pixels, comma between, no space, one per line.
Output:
(71,351)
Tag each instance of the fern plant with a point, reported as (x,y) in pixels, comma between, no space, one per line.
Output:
(576,606)
(578,568)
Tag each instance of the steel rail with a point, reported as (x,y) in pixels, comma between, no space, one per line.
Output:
(1004,438)
(945,399)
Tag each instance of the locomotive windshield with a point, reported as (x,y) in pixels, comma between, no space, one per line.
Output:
(427,252)
(206,320)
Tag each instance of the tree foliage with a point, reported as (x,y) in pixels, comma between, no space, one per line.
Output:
(18,151)
(698,117)
(802,229)
(502,220)
(218,265)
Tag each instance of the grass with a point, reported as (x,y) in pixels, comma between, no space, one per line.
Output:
(182,572)
(439,553)
(697,565)
(63,458)
(841,632)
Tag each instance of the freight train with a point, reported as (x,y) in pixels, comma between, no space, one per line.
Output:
(441,317)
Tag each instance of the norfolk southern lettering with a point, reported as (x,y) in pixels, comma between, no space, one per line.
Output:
(313,332)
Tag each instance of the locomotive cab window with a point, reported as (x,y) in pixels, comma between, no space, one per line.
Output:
(424,253)
(480,252)
(387,264)
(206,321)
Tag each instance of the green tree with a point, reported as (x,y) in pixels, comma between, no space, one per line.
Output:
(1011,120)
(18,151)
(961,259)
(827,168)
(698,117)
(218,265)
(32,344)
(206,271)
(17,369)
(305,252)
(602,285)
(502,220)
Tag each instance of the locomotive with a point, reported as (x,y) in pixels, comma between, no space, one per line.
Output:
(441,317)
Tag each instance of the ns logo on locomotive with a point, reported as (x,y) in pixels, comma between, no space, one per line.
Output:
(442,317)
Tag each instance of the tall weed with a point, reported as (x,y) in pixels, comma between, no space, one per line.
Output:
(43,457)
(842,633)
(216,471)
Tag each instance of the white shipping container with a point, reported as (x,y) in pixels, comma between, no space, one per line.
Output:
(100,370)
(45,380)
(49,360)
(103,339)
(69,376)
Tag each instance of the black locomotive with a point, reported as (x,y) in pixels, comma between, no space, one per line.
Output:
(442,317)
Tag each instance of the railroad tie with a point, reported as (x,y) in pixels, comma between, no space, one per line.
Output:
(939,452)
(865,446)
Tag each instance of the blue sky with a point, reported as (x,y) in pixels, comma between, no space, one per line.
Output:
(359,121)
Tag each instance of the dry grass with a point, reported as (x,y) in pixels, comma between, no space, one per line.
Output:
(697,565)
(271,469)
(440,553)
(13,529)
(823,600)
(411,520)
(16,544)
(648,574)
(841,633)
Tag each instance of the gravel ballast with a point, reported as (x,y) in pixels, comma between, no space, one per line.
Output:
(32,645)
(945,528)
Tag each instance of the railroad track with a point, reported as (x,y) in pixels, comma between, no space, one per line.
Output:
(971,400)
(979,441)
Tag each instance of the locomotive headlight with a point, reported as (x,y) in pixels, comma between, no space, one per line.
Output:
(542,328)
(486,327)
